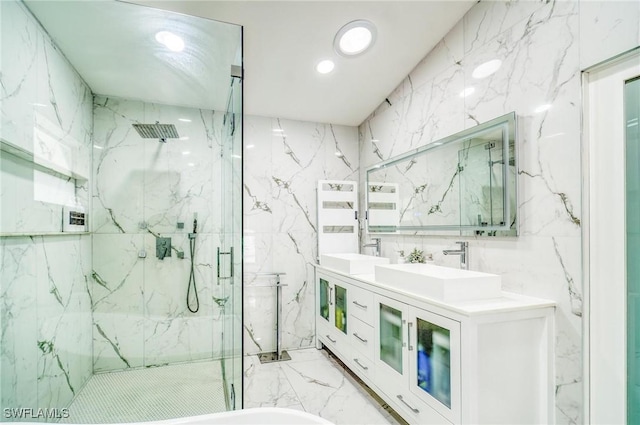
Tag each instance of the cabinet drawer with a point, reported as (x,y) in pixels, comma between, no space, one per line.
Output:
(361,304)
(361,337)
(362,366)
(415,411)
(333,339)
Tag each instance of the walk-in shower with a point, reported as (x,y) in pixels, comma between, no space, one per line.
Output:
(133,313)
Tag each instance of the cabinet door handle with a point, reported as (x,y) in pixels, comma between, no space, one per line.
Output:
(331,339)
(409,336)
(413,409)
(404,344)
(360,305)
(330,296)
(360,364)
(360,338)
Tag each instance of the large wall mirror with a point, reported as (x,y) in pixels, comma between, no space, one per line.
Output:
(464,184)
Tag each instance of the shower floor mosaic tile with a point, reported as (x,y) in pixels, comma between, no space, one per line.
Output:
(150,394)
(315,382)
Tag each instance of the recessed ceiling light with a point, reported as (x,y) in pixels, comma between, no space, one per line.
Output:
(184,138)
(170,41)
(250,146)
(325,66)
(355,38)
(184,119)
(339,154)
(486,69)
(278,130)
(186,153)
(542,108)
(467,92)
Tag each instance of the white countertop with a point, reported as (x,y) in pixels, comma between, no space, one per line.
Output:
(509,301)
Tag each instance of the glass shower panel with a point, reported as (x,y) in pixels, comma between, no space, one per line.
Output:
(632,118)
(229,257)
(134,296)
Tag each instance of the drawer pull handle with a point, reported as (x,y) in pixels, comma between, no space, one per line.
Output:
(360,364)
(360,338)
(360,305)
(413,409)
(331,339)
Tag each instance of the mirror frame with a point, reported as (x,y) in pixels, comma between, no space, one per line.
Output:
(508,125)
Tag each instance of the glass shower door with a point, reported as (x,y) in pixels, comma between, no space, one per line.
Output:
(229,255)
(632,133)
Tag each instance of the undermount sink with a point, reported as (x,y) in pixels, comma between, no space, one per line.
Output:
(441,283)
(352,263)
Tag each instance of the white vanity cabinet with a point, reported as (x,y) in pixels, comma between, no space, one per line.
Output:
(332,313)
(480,362)
(417,357)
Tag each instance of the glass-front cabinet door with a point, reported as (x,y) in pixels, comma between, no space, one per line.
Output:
(332,302)
(340,312)
(391,353)
(434,361)
(324,299)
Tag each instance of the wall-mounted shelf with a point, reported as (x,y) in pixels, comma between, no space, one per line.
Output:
(27,234)
(39,163)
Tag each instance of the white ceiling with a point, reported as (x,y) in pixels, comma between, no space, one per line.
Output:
(283,41)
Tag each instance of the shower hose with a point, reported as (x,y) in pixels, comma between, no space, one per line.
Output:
(192,274)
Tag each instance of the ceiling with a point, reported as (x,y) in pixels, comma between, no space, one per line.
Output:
(282,40)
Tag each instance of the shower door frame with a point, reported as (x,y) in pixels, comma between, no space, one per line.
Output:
(604,239)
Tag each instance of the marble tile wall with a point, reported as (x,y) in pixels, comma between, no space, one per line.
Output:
(142,189)
(45,307)
(543,47)
(283,160)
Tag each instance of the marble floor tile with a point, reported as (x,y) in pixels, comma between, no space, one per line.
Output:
(267,385)
(315,382)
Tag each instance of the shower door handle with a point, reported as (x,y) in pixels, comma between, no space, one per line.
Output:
(230,254)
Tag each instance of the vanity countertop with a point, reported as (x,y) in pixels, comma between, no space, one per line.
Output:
(509,301)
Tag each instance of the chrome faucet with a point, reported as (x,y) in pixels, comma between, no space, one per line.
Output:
(463,252)
(377,245)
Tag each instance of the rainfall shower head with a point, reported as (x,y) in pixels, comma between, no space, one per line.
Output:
(162,132)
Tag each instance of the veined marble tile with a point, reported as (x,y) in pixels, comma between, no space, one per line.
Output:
(546,138)
(177,339)
(487,20)
(118,300)
(259,321)
(182,177)
(607,28)
(446,54)
(295,253)
(19,74)
(63,305)
(18,355)
(326,391)
(267,385)
(118,175)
